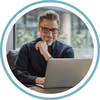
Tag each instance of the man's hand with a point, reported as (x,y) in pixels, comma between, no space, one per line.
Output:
(42,46)
(40,80)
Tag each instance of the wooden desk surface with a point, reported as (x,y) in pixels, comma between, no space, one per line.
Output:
(49,91)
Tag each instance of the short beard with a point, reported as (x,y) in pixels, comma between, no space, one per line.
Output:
(49,43)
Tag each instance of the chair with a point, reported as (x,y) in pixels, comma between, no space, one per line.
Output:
(11,57)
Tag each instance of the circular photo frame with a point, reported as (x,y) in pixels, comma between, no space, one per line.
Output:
(65,6)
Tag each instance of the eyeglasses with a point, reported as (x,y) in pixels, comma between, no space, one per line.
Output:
(46,30)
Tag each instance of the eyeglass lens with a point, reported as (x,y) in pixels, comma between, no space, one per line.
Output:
(46,30)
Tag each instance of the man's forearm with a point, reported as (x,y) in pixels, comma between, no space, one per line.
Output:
(47,56)
(24,77)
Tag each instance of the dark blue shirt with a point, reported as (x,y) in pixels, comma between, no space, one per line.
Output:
(31,64)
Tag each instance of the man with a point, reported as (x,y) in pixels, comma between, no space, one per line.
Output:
(32,59)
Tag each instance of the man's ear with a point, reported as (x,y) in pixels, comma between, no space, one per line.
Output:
(38,27)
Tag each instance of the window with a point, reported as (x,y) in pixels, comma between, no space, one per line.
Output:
(78,35)
(81,39)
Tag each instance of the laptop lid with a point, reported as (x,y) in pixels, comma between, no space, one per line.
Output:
(63,72)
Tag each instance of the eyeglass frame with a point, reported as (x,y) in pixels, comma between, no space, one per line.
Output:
(49,29)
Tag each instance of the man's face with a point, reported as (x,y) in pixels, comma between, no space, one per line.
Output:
(48,36)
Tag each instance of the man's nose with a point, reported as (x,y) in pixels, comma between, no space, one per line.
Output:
(49,33)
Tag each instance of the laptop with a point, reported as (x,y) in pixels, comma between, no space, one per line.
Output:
(64,72)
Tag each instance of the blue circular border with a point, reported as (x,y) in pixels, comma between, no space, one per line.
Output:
(52,1)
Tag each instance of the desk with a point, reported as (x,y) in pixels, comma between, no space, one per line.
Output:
(49,91)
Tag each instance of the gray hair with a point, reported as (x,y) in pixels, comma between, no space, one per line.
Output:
(49,15)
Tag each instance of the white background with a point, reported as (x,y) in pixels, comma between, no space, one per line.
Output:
(8,91)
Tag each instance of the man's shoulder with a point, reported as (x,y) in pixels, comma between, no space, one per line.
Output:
(34,41)
(65,49)
(61,44)
(29,44)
